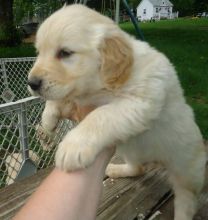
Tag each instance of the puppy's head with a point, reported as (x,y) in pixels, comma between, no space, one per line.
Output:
(79,51)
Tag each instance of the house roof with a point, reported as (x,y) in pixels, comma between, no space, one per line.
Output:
(160,2)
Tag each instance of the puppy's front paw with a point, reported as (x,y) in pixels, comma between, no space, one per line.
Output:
(44,137)
(72,156)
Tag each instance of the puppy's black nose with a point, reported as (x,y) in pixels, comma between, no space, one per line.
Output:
(35,83)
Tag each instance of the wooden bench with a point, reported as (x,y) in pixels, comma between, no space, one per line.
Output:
(141,198)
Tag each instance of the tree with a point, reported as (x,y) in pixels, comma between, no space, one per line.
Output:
(200,6)
(8,33)
(185,7)
(134,3)
(26,11)
(23,9)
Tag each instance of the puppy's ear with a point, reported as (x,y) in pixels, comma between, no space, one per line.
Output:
(116,61)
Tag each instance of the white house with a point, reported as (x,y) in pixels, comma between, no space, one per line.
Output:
(155,9)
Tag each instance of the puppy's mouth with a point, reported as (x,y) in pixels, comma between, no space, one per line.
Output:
(35,84)
(32,92)
(51,93)
(37,91)
(50,90)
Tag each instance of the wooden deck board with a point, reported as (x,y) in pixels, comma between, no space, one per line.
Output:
(123,199)
(126,201)
(14,196)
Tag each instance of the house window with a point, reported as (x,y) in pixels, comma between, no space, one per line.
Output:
(144,11)
(157,10)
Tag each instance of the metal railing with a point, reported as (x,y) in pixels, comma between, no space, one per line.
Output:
(22,149)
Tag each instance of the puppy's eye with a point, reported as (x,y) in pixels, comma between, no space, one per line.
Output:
(64,54)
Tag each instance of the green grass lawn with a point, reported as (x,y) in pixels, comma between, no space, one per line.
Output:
(185,42)
(24,50)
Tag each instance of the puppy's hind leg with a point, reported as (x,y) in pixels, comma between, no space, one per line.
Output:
(185,203)
(187,185)
(124,170)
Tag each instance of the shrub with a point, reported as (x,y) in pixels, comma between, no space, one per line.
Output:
(10,36)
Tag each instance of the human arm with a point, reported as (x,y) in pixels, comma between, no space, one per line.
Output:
(64,196)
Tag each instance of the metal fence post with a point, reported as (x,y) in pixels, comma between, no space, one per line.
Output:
(22,117)
(28,167)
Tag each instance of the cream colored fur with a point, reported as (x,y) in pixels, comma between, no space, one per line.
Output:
(141,106)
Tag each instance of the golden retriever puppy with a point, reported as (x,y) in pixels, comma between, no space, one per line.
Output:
(86,59)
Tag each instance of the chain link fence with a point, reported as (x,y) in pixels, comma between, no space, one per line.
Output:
(13,78)
(22,150)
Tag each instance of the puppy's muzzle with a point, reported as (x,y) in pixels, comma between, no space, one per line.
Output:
(35,83)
